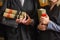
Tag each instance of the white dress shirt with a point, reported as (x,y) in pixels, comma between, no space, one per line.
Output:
(22,2)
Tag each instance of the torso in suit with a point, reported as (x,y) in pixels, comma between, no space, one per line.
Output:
(23,32)
(54,15)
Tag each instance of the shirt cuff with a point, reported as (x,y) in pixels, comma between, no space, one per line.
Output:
(50,25)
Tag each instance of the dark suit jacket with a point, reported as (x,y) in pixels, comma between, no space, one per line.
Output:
(55,17)
(23,32)
(1,13)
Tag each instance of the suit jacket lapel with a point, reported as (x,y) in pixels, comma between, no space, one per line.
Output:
(18,3)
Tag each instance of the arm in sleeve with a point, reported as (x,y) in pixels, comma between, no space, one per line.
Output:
(53,26)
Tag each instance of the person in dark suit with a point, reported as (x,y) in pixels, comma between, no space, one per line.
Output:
(26,27)
(2,7)
(49,27)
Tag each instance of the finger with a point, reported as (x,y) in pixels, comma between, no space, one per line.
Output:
(17,20)
(28,18)
(42,27)
(24,20)
(20,21)
(41,19)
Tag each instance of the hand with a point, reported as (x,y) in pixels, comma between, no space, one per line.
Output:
(42,27)
(27,21)
(19,20)
(54,1)
(44,20)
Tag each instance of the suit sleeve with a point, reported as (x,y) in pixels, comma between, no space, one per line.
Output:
(53,26)
(2,9)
